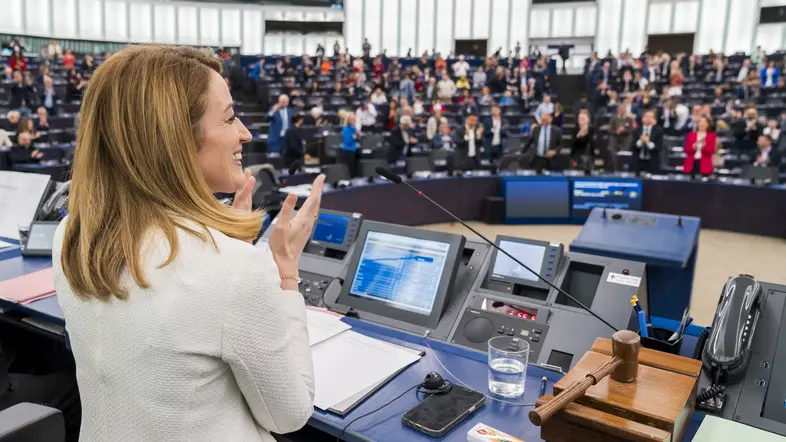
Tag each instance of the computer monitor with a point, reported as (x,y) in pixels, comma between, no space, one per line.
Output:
(335,230)
(536,199)
(402,273)
(40,239)
(614,193)
(540,256)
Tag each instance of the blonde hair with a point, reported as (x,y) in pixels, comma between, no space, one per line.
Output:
(135,167)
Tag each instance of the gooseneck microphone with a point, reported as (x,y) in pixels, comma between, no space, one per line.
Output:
(387,173)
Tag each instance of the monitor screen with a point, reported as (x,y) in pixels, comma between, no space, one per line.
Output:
(400,271)
(614,194)
(331,228)
(537,198)
(529,254)
(41,236)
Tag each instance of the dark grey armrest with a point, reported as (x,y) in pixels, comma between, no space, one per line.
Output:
(31,422)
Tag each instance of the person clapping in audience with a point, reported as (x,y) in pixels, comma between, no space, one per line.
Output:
(43,119)
(769,75)
(23,151)
(647,144)
(402,140)
(747,131)
(469,141)
(582,149)
(443,140)
(543,142)
(700,146)
(767,156)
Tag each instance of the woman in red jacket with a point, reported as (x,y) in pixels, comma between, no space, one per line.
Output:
(699,148)
(17,61)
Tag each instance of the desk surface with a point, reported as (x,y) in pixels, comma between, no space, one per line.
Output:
(667,243)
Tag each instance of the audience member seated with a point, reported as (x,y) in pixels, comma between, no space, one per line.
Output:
(443,140)
(647,144)
(543,143)
(767,156)
(700,147)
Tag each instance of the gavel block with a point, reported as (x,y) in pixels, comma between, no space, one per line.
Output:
(655,407)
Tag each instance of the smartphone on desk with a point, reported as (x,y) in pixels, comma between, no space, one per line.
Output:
(439,413)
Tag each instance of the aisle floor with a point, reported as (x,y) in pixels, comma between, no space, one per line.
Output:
(721,255)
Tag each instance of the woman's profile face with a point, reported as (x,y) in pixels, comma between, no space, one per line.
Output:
(220,147)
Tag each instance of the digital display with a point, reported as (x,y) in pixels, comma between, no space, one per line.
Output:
(400,271)
(41,236)
(537,198)
(529,254)
(614,194)
(509,309)
(330,228)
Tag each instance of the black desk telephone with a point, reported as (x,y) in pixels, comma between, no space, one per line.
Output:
(725,348)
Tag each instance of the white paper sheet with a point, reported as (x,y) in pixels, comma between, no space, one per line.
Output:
(5,245)
(323,326)
(20,196)
(350,362)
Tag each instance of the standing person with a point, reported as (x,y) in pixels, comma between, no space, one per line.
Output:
(68,59)
(366,49)
(620,130)
(647,145)
(336,49)
(543,140)
(582,149)
(700,146)
(747,131)
(767,157)
(468,144)
(401,140)
(294,144)
(366,117)
(48,98)
(349,146)
(495,131)
(162,298)
(280,118)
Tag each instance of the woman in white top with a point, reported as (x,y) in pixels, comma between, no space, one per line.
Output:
(182,331)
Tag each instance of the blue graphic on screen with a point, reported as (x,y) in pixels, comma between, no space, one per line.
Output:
(401,271)
(331,228)
(614,194)
(529,254)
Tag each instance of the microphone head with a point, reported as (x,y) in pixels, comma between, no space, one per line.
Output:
(387,173)
(295,167)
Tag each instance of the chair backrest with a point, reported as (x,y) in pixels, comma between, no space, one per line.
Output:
(368,167)
(335,173)
(418,164)
(267,177)
(30,422)
(372,142)
(510,162)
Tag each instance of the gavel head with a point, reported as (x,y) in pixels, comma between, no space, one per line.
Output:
(625,344)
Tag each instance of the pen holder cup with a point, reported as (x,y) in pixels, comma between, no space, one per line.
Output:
(659,340)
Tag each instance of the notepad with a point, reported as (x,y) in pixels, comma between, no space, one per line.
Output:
(5,245)
(28,288)
(323,325)
(350,364)
(714,429)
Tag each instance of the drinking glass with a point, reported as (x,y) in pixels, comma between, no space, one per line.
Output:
(508,359)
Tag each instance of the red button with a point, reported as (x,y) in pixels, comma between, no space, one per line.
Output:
(625,272)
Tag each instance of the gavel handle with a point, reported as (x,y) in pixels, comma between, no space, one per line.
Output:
(543,413)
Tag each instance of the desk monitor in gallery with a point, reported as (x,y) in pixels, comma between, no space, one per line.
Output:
(606,192)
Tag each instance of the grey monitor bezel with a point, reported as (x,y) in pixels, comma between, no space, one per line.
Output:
(456,246)
(543,265)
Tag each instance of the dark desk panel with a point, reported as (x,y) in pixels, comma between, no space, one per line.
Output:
(399,204)
(735,208)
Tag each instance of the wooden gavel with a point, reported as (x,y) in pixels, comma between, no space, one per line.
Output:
(623,367)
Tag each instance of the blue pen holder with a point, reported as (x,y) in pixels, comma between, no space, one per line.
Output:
(659,340)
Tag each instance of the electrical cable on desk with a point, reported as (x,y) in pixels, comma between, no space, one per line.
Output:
(514,404)
(343,430)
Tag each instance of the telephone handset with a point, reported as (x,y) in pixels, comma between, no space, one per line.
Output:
(727,348)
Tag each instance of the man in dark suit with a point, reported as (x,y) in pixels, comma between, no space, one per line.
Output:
(468,142)
(746,132)
(768,156)
(543,142)
(494,133)
(444,139)
(401,140)
(280,118)
(294,145)
(647,144)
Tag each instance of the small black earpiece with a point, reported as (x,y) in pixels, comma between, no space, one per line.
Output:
(435,384)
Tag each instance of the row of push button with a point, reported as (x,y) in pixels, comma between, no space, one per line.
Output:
(553,254)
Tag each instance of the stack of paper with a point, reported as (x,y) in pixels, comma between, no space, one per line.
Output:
(715,429)
(349,366)
(28,288)
(5,245)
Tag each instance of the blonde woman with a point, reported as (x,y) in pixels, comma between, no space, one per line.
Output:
(180,328)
